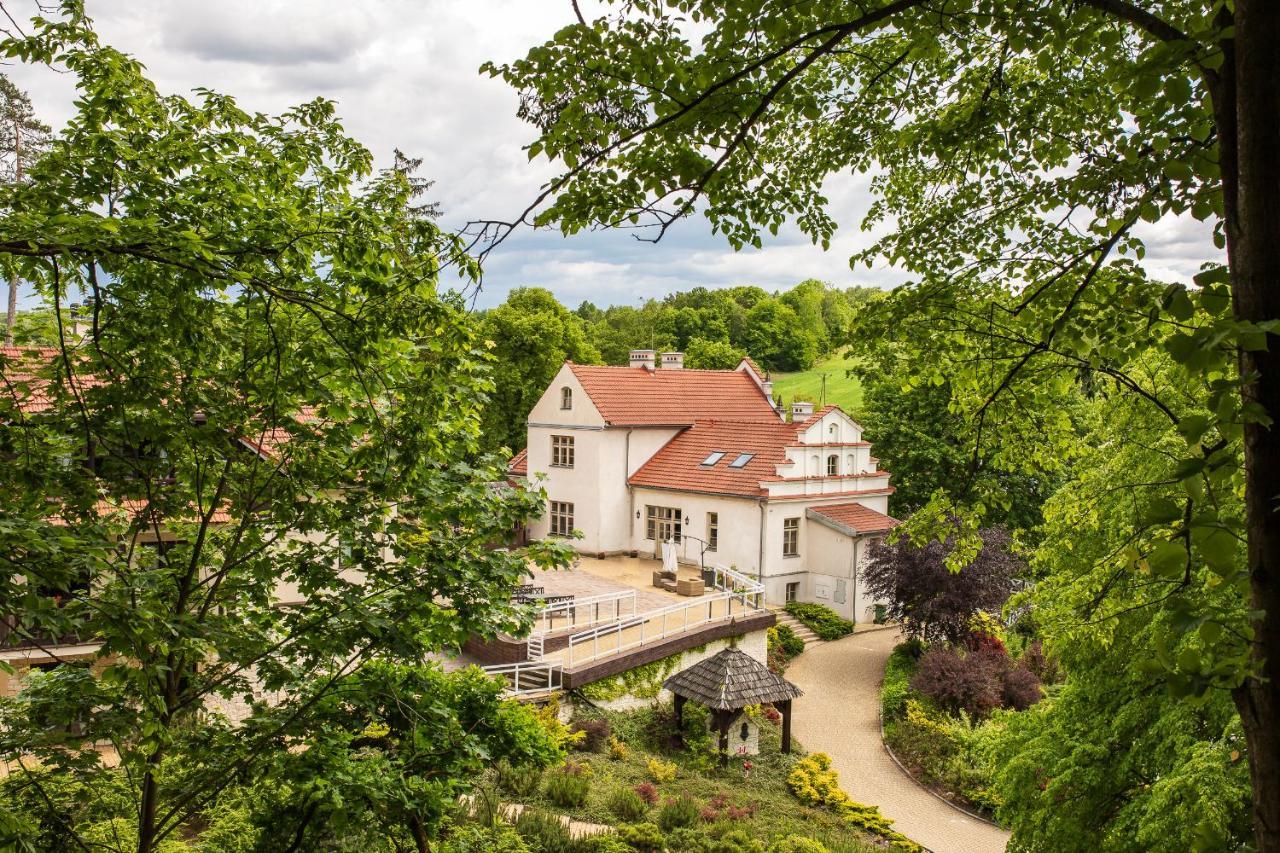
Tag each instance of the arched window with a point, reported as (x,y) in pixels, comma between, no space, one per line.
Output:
(834,430)
(849,463)
(566,397)
(813,466)
(833,465)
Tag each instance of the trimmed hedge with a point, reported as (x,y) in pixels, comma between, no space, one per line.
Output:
(821,620)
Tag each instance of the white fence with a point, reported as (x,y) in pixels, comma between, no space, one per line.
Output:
(589,610)
(627,634)
(528,677)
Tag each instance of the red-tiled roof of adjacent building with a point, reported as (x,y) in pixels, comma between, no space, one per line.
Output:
(519,464)
(752,364)
(637,396)
(856,517)
(26,377)
(678,465)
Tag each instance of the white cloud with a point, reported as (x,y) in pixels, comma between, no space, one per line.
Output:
(405,74)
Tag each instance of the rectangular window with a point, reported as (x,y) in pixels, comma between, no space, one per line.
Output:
(561,518)
(662,523)
(562,451)
(791,537)
(713,457)
(793,591)
(833,465)
(713,530)
(742,460)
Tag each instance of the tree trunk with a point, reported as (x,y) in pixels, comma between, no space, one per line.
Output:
(1253,247)
(11,312)
(419,833)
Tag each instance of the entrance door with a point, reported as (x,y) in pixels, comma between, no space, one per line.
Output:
(662,523)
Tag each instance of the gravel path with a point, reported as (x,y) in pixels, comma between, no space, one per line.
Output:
(839,715)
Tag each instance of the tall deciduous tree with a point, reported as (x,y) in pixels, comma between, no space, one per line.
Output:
(272,403)
(23,138)
(532,335)
(931,601)
(1018,145)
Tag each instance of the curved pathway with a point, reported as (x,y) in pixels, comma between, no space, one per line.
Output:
(839,714)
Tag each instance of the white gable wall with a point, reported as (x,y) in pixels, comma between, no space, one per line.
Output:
(604,457)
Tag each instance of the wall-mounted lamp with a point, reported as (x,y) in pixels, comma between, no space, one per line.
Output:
(637,513)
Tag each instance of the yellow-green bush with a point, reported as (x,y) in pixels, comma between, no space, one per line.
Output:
(661,771)
(815,784)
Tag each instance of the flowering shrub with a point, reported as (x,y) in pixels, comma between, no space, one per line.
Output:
(661,771)
(647,792)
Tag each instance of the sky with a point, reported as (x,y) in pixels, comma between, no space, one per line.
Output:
(404,74)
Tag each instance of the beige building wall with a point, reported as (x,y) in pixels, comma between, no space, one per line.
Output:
(739,521)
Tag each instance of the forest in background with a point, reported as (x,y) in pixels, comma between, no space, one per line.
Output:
(532,334)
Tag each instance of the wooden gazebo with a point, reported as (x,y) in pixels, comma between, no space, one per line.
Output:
(726,683)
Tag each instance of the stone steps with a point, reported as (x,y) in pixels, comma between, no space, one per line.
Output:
(797,627)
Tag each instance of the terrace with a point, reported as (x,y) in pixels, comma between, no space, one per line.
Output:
(605,616)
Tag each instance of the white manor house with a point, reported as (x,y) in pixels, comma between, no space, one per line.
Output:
(634,456)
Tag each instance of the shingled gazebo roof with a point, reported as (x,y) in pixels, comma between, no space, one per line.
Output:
(730,680)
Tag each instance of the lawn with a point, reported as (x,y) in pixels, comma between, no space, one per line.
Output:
(758,802)
(843,390)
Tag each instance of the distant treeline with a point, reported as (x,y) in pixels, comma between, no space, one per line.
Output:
(532,334)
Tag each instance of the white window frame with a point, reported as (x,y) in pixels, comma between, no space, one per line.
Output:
(655,515)
(791,537)
(566,398)
(562,451)
(561,513)
(791,592)
(713,530)
(833,465)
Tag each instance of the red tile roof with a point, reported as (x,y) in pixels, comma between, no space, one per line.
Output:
(856,517)
(135,508)
(519,464)
(637,396)
(26,377)
(752,364)
(678,465)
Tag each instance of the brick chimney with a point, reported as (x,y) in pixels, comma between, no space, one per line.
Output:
(673,361)
(801,410)
(643,358)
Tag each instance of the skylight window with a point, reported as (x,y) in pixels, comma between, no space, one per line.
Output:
(742,460)
(714,457)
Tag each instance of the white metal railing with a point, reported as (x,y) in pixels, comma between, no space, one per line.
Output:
(534,650)
(528,677)
(655,625)
(732,580)
(580,612)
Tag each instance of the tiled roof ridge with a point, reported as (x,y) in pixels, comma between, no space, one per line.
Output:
(655,371)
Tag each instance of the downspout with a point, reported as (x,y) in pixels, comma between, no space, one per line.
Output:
(760,562)
(631,492)
(854,602)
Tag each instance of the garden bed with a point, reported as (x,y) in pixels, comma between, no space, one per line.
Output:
(638,777)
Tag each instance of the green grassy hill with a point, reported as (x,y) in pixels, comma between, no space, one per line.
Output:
(844,391)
